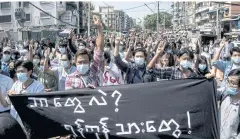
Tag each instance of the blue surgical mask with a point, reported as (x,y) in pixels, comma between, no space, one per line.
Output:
(22,77)
(139,61)
(6,57)
(186,64)
(232,91)
(202,67)
(83,68)
(41,68)
(64,64)
(169,51)
(236,60)
(62,50)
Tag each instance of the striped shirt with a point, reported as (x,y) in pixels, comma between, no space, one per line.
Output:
(76,81)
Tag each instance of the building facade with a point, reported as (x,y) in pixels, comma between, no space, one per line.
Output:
(38,24)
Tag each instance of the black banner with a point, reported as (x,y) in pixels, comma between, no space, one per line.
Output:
(184,109)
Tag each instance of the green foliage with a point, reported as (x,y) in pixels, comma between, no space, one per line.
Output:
(150,21)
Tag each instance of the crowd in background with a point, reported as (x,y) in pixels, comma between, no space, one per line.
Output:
(108,59)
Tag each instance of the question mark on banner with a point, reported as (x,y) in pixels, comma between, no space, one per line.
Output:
(119,96)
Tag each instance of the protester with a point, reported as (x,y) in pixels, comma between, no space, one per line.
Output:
(183,70)
(229,97)
(6,58)
(227,66)
(201,66)
(86,75)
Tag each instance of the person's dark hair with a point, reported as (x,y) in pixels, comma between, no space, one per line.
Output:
(235,49)
(107,57)
(82,52)
(235,72)
(186,51)
(140,49)
(201,59)
(26,64)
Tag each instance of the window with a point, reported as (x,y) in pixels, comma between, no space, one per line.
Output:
(28,17)
(5,19)
(5,5)
(44,15)
(25,4)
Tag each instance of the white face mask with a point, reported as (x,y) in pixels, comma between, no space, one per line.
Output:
(139,61)
(83,68)
(62,50)
(107,49)
(64,64)
(6,57)
(81,47)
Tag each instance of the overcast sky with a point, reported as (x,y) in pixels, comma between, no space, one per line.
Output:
(137,12)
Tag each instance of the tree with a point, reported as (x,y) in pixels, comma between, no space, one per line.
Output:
(150,21)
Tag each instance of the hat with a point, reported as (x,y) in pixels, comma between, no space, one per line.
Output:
(7,49)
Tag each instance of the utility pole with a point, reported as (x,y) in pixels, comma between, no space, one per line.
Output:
(158,17)
(108,17)
(89,22)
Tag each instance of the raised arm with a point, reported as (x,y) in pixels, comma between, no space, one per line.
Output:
(216,57)
(118,61)
(159,52)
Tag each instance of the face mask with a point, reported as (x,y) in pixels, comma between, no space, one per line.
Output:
(41,68)
(25,58)
(236,60)
(205,49)
(107,49)
(13,57)
(6,57)
(81,47)
(169,51)
(186,64)
(83,68)
(232,91)
(64,64)
(202,67)
(120,48)
(62,50)
(36,61)
(22,77)
(139,61)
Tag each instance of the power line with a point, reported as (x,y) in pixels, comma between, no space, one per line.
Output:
(51,15)
(149,8)
(138,6)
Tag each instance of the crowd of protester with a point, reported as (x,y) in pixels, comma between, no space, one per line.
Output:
(108,59)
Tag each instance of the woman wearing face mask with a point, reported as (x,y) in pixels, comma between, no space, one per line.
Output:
(183,70)
(201,66)
(229,97)
(64,69)
(111,75)
(167,60)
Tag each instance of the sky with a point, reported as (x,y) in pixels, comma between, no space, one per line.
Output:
(137,12)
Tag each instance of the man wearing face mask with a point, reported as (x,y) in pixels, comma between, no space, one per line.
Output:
(135,72)
(24,84)
(184,70)
(226,66)
(229,97)
(86,75)
(6,58)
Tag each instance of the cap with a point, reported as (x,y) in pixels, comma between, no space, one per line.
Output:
(7,49)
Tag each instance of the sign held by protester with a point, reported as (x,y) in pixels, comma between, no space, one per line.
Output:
(181,109)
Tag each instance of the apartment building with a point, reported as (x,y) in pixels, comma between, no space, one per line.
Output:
(37,23)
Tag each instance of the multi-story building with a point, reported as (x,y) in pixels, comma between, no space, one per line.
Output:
(127,23)
(108,16)
(120,22)
(37,23)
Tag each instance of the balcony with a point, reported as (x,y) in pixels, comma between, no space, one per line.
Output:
(206,17)
(202,9)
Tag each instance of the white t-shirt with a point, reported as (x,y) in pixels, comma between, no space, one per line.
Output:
(234,66)
(5,85)
(62,74)
(35,87)
(112,76)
